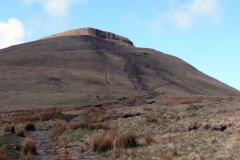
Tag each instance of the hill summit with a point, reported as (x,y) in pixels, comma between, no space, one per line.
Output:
(117,39)
(88,66)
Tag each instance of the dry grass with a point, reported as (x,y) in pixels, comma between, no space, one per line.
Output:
(20,132)
(147,109)
(29,147)
(96,114)
(182,100)
(103,142)
(9,128)
(29,126)
(2,155)
(30,156)
(189,100)
(148,140)
(90,126)
(113,140)
(58,129)
(34,115)
(64,157)
(123,141)
(151,120)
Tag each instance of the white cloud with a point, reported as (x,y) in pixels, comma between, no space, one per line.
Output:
(183,15)
(11,32)
(186,15)
(56,8)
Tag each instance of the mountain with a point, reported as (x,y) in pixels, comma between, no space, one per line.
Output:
(89,66)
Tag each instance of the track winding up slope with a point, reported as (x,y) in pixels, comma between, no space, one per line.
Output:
(89,66)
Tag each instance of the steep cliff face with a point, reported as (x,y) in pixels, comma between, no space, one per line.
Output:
(119,40)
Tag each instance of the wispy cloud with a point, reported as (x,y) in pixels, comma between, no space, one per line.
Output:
(186,15)
(181,15)
(11,32)
(56,8)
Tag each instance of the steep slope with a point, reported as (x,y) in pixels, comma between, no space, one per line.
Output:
(84,69)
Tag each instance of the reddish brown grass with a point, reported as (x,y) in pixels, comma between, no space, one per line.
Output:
(29,126)
(123,141)
(34,115)
(58,129)
(30,156)
(189,100)
(103,142)
(113,140)
(9,128)
(148,140)
(29,146)
(2,155)
(64,157)
(20,132)
(182,100)
(76,125)
(147,109)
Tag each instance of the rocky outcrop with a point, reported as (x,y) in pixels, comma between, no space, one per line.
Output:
(120,40)
(109,36)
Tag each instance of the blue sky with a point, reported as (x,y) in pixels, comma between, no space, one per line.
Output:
(204,33)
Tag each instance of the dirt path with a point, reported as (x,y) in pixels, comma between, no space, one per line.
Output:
(87,155)
(44,145)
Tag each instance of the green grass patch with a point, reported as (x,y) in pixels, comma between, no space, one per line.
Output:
(76,135)
(11,146)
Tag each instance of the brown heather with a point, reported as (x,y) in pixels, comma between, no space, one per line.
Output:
(29,146)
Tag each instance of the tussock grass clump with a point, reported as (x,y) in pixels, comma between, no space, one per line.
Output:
(59,129)
(29,156)
(20,132)
(2,155)
(104,141)
(29,147)
(113,140)
(29,126)
(148,140)
(123,141)
(9,128)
